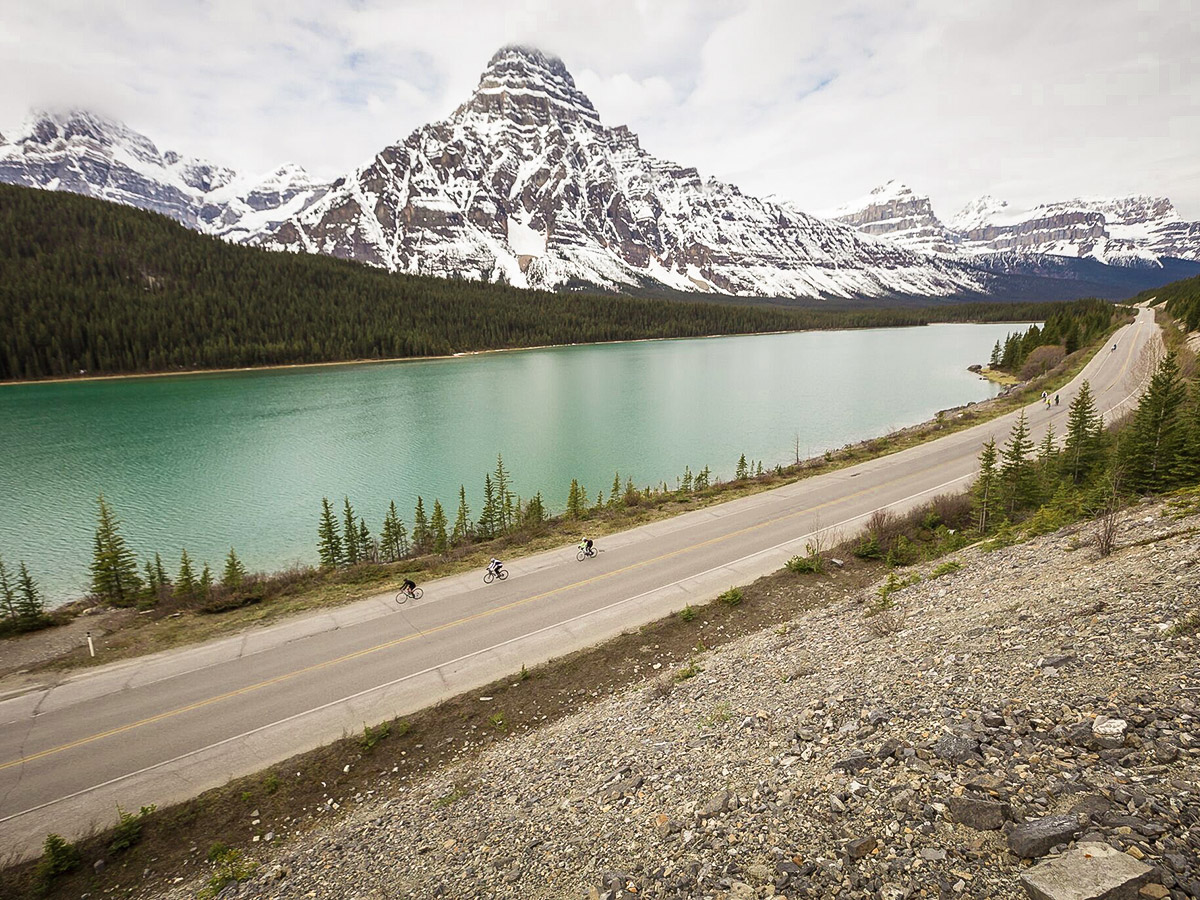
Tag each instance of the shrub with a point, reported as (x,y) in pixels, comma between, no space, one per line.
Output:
(129,828)
(686,614)
(731,597)
(230,866)
(802,565)
(58,858)
(1189,624)
(950,565)
(498,721)
(691,670)
(1041,360)
(231,602)
(372,736)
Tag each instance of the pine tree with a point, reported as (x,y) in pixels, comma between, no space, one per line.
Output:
(153,585)
(758,471)
(1186,470)
(329,546)
(614,496)
(367,551)
(420,533)
(393,541)
(206,582)
(984,493)
(437,528)
(685,486)
(31,605)
(185,584)
(235,572)
(743,471)
(7,594)
(535,512)
(1158,430)
(490,514)
(576,500)
(703,479)
(1048,463)
(1016,469)
(1083,445)
(462,522)
(353,553)
(994,362)
(631,496)
(114,568)
(503,497)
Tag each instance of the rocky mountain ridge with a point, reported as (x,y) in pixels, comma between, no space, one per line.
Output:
(1135,231)
(523,183)
(90,154)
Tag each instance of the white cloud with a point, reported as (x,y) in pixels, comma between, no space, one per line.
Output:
(816,101)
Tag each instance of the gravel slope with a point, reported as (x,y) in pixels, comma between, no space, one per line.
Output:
(827,759)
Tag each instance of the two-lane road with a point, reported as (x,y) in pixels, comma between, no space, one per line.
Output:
(163,728)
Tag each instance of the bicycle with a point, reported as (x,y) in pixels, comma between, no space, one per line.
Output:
(404,596)
(489,576)
(586,554)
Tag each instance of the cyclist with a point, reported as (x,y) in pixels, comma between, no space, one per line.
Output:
(495,566)
(409,586)
(586,546)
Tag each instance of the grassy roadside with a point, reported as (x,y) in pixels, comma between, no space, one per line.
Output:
(299,591)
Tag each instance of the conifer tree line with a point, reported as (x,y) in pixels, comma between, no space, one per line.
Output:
(118,580)
(1070,327)
(1180,298)
(1157,449)
(24,603)
(345,540)
(95,287)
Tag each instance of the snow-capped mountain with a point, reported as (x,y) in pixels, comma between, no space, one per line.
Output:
(1128,231)
(86,153)
(523,183)
(893,211)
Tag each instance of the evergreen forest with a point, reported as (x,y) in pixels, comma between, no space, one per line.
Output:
(89,287)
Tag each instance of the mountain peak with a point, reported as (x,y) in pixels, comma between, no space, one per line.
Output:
(529,88)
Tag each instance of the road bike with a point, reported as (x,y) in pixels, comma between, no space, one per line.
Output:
(585,554)
(404,596)
(489,576)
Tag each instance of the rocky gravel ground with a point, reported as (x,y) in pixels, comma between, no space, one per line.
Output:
(1025,725)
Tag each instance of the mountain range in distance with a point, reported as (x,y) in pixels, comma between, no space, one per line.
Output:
(523,184)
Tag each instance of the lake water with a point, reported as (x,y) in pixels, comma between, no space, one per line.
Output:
(242,459)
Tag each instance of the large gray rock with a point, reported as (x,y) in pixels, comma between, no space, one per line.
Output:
(1030,840)
(982,815)
(1091,871)
(955,748)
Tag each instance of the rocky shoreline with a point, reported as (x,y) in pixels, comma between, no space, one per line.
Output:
(1021,725)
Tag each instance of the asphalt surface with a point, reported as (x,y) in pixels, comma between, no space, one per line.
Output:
(163,728)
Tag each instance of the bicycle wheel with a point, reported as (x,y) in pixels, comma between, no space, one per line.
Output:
(402,598)
(487,577)
(502,574)
(579,556)
(418,593)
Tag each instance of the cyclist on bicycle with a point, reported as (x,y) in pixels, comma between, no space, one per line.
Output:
(586,546)
(495,566)
(409,586)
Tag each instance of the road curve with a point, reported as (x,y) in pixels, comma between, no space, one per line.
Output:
(163,728)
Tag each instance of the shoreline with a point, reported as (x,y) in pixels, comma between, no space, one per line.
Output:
(283,367)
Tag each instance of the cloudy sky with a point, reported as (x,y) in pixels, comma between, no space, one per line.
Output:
(818,102)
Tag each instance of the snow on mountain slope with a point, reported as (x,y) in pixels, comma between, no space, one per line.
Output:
(1128,231)
(893,211)
(89,154)
(523,183)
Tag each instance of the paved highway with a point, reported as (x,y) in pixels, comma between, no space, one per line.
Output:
(165,727)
